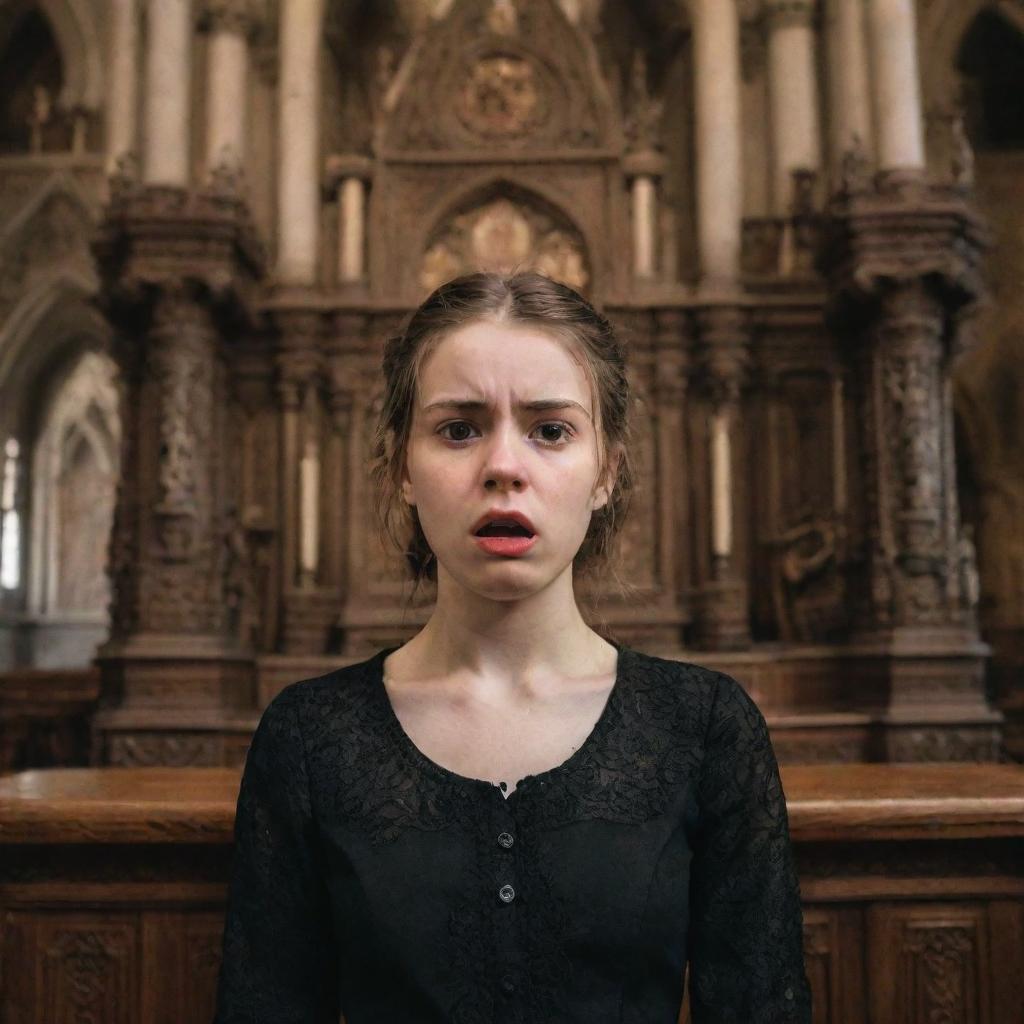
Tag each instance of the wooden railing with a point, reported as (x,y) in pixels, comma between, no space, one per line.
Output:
(113,882)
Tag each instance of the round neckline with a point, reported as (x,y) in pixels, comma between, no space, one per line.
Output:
(405,743)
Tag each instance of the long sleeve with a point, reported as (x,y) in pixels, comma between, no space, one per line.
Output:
(278,950)
(746,924)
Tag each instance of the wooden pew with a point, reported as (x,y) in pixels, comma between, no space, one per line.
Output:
(112,887)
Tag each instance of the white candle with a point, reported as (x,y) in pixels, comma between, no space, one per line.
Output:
(643,225)
(353,228)
(309,511)
(721,487)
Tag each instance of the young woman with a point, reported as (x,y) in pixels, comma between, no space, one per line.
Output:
(509,817)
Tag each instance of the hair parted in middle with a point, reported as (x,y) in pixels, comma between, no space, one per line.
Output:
(523,299)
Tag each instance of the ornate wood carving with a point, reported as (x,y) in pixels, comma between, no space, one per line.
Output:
(179,270)
(903,259)
(510,80)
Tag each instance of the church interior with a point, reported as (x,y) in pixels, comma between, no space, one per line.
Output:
(806,220)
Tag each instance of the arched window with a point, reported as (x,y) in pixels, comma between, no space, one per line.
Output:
(31,81)
(991,58)
(75,472)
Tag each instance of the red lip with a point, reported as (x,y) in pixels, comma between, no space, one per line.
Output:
(510,547)
(498,513)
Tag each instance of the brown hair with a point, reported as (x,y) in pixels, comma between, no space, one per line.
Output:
(526,299)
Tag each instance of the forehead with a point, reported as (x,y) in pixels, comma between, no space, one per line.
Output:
(491,360)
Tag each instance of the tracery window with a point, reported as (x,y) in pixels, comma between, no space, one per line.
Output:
(31,79)
(75,471)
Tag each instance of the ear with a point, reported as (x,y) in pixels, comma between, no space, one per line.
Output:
(602,495)
(407,491)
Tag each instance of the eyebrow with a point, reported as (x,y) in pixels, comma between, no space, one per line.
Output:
(472,404)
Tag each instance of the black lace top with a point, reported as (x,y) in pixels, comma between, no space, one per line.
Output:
(371,882)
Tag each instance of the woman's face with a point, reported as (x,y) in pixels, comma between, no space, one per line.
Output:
(462,461)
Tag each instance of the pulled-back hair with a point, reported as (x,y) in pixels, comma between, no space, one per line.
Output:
(524,299)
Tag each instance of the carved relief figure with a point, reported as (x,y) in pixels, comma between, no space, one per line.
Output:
(500,97)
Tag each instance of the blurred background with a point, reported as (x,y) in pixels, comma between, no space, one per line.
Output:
(805,218)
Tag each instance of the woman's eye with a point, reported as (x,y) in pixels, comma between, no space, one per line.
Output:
(561,438)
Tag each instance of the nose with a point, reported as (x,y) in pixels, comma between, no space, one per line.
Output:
(503,466)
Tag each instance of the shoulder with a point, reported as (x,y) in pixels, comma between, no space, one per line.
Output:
(703,694)
(324,713)
(704,708)
(348,681)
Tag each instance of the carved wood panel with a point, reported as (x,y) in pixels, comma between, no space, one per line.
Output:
(72,966)
(937,963)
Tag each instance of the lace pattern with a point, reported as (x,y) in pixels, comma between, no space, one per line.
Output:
(330,750)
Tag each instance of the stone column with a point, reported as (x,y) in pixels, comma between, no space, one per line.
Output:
(793,90)
(123,84)
(721,613)
(229,23)
(850,126)
(896,85)
(645,168)
(348,176)
(718,157)
(298,178)
(902,264)
(168,81)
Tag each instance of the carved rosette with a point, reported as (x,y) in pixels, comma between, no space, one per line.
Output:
(903,264)
(518,77)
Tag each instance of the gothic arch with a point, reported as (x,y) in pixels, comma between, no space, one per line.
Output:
(942,27)
(477,192)
(50,277)
(54,320)
(74,478)
(77,32)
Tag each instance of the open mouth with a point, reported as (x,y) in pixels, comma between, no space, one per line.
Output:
(503,529)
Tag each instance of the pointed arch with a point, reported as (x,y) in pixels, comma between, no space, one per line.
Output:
(943,25)
(76,29)
(75,466)
(547,236)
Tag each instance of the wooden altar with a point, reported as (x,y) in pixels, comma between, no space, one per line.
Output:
(113,883)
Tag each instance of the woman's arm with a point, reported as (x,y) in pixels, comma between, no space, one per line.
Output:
(279,954)
(746,922)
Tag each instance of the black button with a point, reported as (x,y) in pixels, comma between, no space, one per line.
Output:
(506,840)
(507,893)
(508,984)
(789,993)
